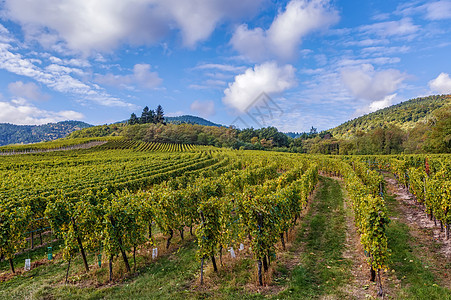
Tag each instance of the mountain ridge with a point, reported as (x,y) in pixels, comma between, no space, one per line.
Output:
(190,119)
(26,134)
(406,115)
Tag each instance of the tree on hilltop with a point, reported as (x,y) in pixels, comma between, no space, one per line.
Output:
(159,115)
(133,119)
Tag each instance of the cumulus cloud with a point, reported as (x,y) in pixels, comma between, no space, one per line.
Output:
(375,105)
(285,34)
(364,82)
(141,76)
(21,112)
(198,18)
(203,108)
(87,25)
(387,101)
(28,91)
(441,84)
(267,77)
(104,24)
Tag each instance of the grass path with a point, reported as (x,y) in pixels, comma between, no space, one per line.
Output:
(322,269)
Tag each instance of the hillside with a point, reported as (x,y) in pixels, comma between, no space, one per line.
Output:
(404,115)
(190,120)
(26,134)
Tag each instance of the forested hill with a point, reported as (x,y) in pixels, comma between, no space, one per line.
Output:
(18,134)
(190,120)
(404,115)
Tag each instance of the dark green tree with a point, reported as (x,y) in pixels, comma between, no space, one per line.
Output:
(313,131)
(144,116)
(159,115)
(133,119)
(147,116)
(439,137)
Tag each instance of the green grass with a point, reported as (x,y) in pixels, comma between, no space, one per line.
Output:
(167,278)
(322,268)
(417,281)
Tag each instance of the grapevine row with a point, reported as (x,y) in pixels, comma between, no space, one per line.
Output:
(365,189)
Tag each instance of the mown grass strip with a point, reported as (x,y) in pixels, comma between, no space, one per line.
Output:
(322,268)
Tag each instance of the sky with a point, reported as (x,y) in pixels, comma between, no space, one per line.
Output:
(313,62)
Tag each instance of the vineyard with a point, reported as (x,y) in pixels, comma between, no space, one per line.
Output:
(116,202)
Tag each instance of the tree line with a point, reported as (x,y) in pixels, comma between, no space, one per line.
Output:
(148,116)
(432,136)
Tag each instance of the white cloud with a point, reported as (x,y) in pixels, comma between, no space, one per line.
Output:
(375,105)
(367,42)
(145,77)
(385,50)
(28,91)
(438,10)
(402,28)
(75,62)
(5,36)
(220,67)
(55,78)
(381,17)
(88,25)
(355,62)
(368,84)
(387,101)
(432,10)
(19,111)
(102,25)
(441,84)
(203,108)
(209,84)
(252,44)
(267,77)
(141,76)
(198,18)
(58,69)
(285,34)
(175,114)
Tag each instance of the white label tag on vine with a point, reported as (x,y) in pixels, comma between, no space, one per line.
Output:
(27,264)
(232,252)
(241,247)
(154,253)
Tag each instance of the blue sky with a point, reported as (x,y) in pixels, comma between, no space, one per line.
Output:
(321,62)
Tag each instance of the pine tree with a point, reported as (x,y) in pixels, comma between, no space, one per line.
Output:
(151,116)
(159,115)
(145,116)
(133,119)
